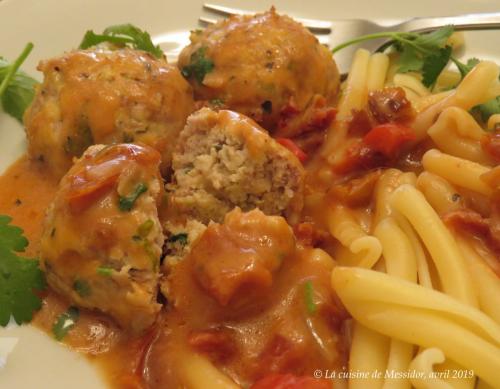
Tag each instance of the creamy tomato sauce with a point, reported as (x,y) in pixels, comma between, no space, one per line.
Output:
(245,338)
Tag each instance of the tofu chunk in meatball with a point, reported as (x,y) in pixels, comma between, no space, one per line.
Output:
(225,160)
(102,96)
(266,66)
(102,239)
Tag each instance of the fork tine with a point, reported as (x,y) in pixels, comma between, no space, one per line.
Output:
(317,26)
(205,20)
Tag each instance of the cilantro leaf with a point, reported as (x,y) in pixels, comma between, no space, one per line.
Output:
(19,277)
(65,322)
(17,89)
(125,203)
(123,35)
(433,40)
(410,61)
(434,65)
(489,108)
(199,65)
(467,67)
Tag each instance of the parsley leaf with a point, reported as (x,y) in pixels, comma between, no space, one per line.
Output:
(123,35)
(65,322)
(19,277)
(125,203)
(17,89)
(199,65)
(309,297)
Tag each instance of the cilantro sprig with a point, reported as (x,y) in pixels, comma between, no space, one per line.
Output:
(123,35)
(17,89)
(20,277)
(420,52)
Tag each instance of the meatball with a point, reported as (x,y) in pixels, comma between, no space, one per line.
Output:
(104,96)
(225,160)
(259,66)
(102,239)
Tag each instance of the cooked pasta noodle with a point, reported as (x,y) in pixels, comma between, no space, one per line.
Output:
(347,231)
(424,363)
(494,121)
(474,89)
(377,71)
(440,194)
(458,171)
(421,316)
(457,133)
(439,242)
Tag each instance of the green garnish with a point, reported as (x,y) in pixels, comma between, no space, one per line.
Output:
(425,52)
(104,271)
(199,65)
(65,322)
(489,108)
(125,203)
(123,35)
(19,277)
(216,103)
(181,238)
(17,89)
(145,228)
(309,297)
(81,287)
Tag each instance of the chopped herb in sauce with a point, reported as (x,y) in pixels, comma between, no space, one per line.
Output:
(145,228)
(216,103)
(126,203)
(309,297)
(81,287)
(65,322)
(181,238)
(104,271)
(199,65)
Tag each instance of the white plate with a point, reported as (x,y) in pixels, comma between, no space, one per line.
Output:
(34,361)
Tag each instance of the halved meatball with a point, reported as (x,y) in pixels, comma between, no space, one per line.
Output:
(264,66)
(103,96)
(225,160)
(102,238)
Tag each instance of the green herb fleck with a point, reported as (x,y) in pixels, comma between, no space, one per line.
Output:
(181,238)
(81,287)
(123,35)
(199,65)
(145,228)
(216,103)
(309,297)
(65,322)
(125,203)
(104,271)
(17,89)
(19,277)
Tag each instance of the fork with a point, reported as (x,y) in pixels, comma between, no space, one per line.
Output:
(338,31)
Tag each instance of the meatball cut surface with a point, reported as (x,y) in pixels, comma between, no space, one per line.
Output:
(102,238)
(103,96)
(259,66)
(225,160)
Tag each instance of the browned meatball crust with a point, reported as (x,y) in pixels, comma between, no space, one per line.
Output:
(104,96)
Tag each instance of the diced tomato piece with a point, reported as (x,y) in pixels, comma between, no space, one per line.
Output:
(491,144)
(290,145)
(290,381)
(388,138)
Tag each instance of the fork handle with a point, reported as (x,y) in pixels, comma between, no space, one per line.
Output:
(481,21)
